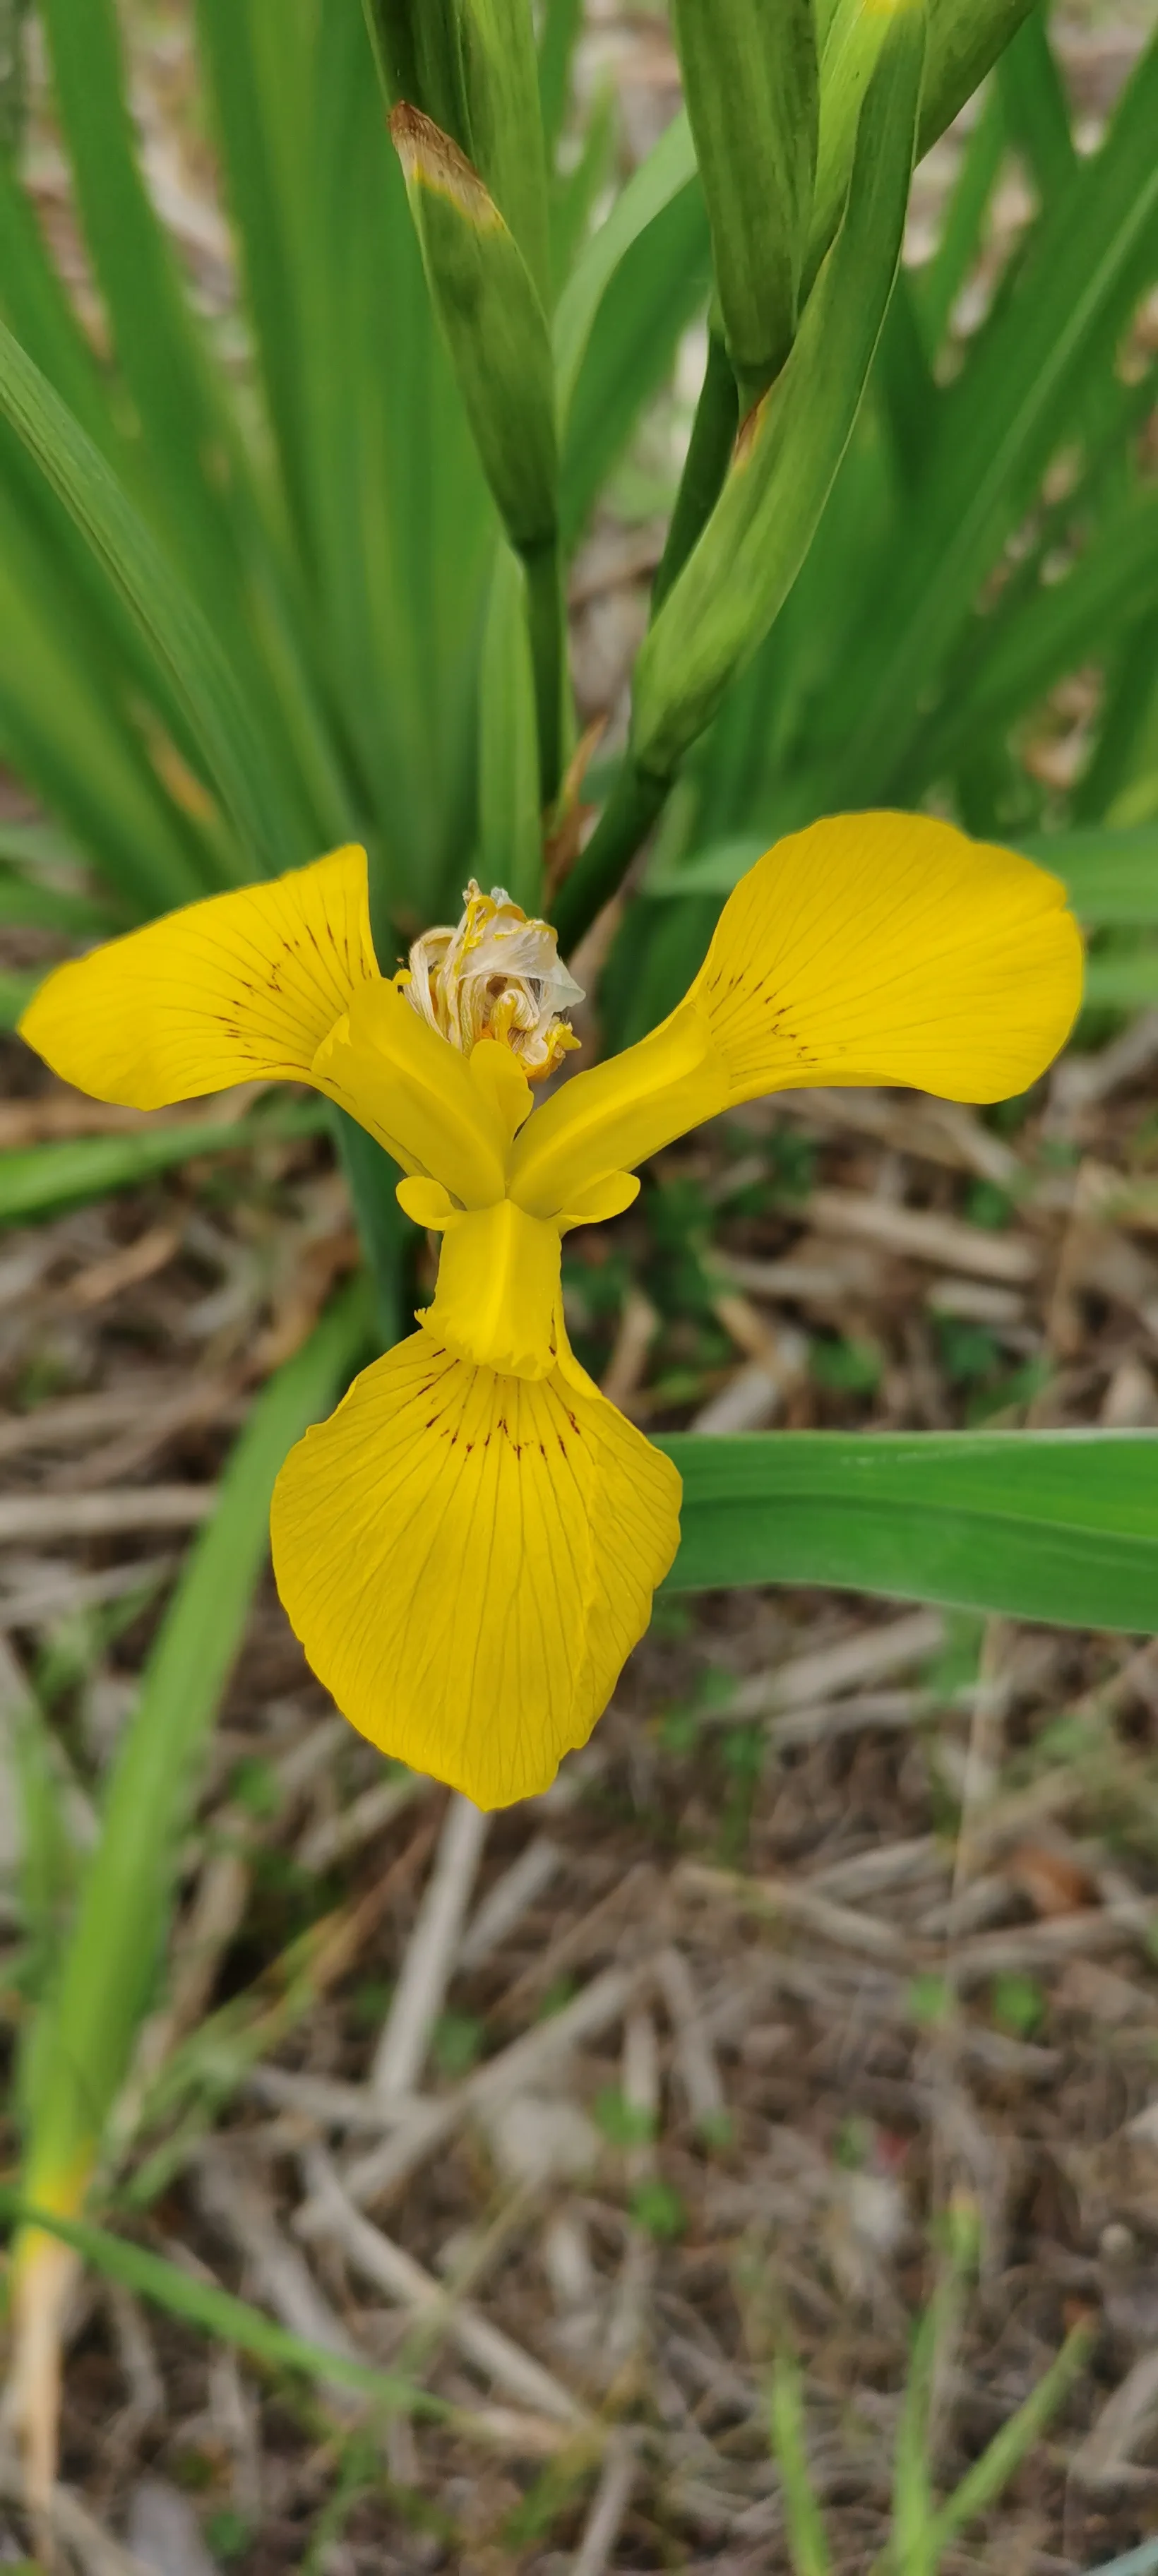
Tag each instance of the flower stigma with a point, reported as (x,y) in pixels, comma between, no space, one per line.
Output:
(497,975)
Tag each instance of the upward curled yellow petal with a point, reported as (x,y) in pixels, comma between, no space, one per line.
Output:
(468,1559)
(871,948)
(889,948)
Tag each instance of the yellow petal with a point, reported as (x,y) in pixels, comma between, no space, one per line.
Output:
(239,986)
(888,948)
(426,1203)
(498,1290)
(618,1113)
(873,948)
(502,1081)
(468,1560)
(413,1090)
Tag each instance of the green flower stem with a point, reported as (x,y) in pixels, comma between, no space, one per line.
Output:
(382,1228)
(631,809)
(545,623)
(713,438)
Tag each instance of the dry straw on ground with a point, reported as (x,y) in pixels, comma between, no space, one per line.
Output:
(848,1909)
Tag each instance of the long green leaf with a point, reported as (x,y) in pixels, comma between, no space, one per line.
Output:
(1036,110)
(393,525)
(151,322)
(1110,876)
(1124,983)
(23,901)
(807,2538)
(938,284)
(661,282)
(36,1180)
(1060,626)
(192,456)
(1057,1525)
(999,426)
(72,701)
(669,169)
(988,2476)
(36,307)
(215,2312)
(249,781)
(113,1953)
(912,2542)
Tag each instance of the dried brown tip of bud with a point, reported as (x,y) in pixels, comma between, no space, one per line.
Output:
(431,159)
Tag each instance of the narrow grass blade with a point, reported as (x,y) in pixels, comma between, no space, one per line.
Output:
(807,2539)
(115,1945)
(1110,876)
(393,527)
(249,782)
(1000,423)
(49,1853)
(986,2480)
(36,307)
(37,1180)
(1060,625)
(1036,110)
(25,904)
(562,20)
(1123,983)
(912,2540)
(1057,1525)
(151,324)
(669,168)
(906,391)
(662,281)
(65,693)
(217,2313)
(938,284)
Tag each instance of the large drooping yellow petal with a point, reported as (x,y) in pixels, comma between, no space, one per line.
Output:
(468,1559)
(889,948)
(243,985)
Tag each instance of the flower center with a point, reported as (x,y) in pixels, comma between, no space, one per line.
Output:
(498,976)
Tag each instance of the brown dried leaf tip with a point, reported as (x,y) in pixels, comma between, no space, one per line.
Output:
(431,159)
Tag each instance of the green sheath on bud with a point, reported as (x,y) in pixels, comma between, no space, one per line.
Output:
(501,348)
(471,66)
(964,38)
(501,73)
(788,452)
(494,323)
(750,81)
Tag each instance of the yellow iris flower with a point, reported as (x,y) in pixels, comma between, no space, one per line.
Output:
(469,1547)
